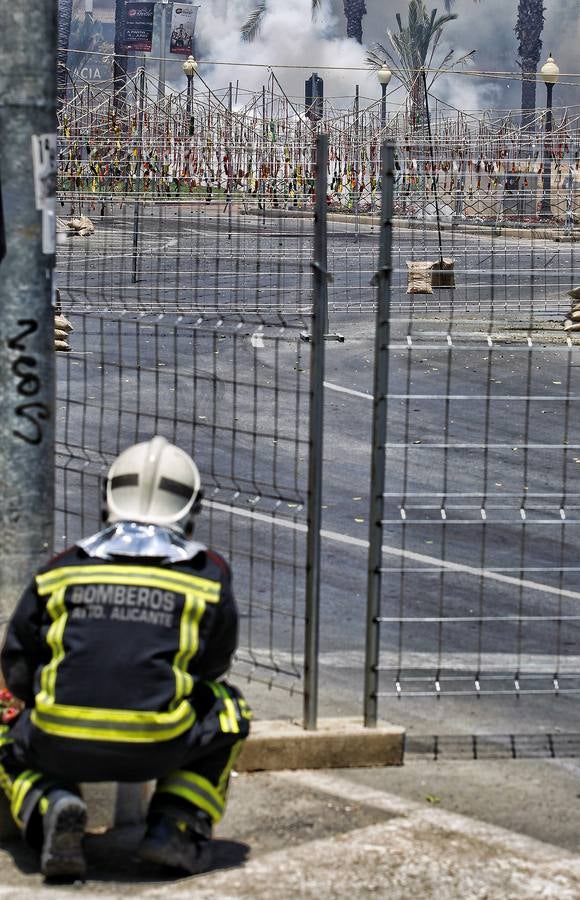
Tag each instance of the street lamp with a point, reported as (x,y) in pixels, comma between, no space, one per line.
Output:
(190,67)
(550,74)
(384,75)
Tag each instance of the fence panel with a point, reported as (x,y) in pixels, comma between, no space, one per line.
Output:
(238,401)
(479,575)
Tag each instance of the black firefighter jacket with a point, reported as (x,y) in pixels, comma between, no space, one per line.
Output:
(109,650)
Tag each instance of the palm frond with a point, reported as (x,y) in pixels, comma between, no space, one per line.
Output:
(251,27)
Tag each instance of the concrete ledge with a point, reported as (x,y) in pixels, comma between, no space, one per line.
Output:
(337,743)
(272,746)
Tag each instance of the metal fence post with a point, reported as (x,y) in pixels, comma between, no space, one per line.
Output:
(137,201)
(319,324)
(27,246)
(381,381)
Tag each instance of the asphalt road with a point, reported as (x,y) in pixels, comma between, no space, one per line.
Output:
(463,435)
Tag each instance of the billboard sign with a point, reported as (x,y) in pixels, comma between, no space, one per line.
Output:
(138,33)
(183,28)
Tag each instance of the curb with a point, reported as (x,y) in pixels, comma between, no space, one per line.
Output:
(337,743)
(536,232)
(273,745)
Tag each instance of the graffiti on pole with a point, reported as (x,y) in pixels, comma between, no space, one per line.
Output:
(183,20)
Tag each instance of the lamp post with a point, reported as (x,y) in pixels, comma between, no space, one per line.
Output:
(190,67)
(384,75)
(550,74)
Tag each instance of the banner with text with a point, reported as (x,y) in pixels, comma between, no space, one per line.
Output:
(183,28)
(138,33)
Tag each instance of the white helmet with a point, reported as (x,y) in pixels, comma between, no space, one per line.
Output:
(153,482)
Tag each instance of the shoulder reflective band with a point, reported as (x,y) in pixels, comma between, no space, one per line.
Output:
(122,725)
(144,576)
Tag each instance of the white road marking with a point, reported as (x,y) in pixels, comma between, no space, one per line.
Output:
(344,390)
(508,841)
(363,544)
(528,665)
(257,340)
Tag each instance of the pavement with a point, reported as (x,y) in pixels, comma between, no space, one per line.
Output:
(424,830)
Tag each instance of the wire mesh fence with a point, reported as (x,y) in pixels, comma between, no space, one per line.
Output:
(237,399)
(193,276)
(480,492)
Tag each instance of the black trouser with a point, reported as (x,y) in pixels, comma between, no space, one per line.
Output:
(192,771)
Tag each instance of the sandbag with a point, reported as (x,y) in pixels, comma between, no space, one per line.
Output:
(442,274)
(419,277)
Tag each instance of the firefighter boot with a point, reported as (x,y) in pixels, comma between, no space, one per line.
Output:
(178,843)
(63,823)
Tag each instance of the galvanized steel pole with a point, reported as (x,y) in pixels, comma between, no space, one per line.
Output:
(381,384)
(319,324)
(137,201)
(28,46)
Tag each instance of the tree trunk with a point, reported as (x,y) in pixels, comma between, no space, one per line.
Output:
(64,23)
(354,11)
(529,25)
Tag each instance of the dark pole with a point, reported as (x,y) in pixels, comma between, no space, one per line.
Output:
(28,168)
(138,185)
(383,106)
(315,460)
(433,178)
(379,440)
(546,206)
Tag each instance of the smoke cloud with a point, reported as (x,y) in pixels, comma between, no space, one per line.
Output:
(290,37)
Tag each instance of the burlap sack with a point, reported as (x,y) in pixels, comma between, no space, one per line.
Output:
(81,225)
(62,323)
(419,277)
(442,274)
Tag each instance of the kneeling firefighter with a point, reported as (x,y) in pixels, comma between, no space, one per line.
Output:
(117,650)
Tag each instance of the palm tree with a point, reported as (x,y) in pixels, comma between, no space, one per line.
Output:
(354,10)
(528,28)
(65,9)
(413,50)
(529,25)
(251,27)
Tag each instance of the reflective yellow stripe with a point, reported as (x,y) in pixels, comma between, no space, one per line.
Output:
(145,576)
(222,716)
(196,789)
(128,726)
(245,709)
(5,736)
(57,610)
(193,610)
(229,723)
(20,788)
(224,777)
(6,783)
